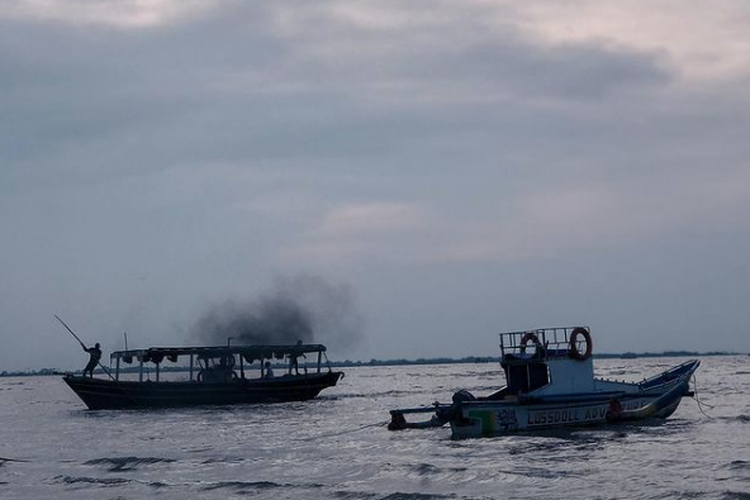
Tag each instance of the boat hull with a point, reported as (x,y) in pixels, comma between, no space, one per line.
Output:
(100,394)
(485,419)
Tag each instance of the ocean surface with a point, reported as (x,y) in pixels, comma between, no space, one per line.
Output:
(337,446)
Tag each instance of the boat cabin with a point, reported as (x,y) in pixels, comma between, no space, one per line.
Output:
(547,361)
(224,363)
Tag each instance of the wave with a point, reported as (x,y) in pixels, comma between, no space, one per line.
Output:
(365,495)
(243,485)
(735,495)
(687,494)
(254,486)
(369,395)
(200,450)
(742,418)
(425,469)
(620,372)
(223,460)
(101,481)
(354,495)
(123,464)
(482,389)
(416,496)
(738,465)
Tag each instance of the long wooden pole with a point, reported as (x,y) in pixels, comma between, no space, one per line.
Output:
(71,331)
(84,346)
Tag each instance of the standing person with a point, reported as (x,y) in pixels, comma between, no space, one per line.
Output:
(95,354)
(293,358)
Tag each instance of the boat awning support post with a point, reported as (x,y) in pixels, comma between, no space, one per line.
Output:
(117,370)
(191,367)
(140,370)
(320,358)
(157,371)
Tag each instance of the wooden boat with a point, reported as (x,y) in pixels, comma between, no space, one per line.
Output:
(551,383)
(216,376)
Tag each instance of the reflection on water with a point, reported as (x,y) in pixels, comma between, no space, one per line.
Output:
(337,446)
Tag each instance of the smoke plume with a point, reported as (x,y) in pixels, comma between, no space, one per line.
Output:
(305,308)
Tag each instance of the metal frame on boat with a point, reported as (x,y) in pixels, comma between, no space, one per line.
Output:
(216,376)
(551,383)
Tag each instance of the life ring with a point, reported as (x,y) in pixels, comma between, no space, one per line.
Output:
(532,337)
(573,351)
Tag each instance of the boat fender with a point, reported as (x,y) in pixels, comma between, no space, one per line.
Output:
(614,412)
(573,351)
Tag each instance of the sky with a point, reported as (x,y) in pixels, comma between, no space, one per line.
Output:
(457,168)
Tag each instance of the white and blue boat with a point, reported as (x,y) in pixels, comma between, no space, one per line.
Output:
(551,383)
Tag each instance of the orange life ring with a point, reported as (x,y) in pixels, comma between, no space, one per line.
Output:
(573,351)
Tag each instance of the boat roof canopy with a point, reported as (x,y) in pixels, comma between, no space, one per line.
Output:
(249,352)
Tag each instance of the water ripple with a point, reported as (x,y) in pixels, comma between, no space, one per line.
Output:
(99,481)
(123,464)
(334,446)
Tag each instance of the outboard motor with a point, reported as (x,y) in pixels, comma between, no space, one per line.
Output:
(463,396)
(443,413)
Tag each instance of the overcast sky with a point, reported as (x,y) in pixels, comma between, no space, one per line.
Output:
(462,167)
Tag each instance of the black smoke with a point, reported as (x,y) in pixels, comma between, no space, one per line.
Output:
(305,308)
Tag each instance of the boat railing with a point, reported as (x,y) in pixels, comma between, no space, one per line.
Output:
(554,341)
(230,362)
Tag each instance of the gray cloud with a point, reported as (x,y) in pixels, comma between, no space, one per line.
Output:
(464,172)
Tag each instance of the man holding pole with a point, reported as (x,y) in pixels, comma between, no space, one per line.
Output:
(96,354)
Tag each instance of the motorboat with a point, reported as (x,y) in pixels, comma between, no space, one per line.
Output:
(215,375)
(551,383)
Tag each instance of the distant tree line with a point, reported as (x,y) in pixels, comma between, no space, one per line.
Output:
(393,362)
(418,361)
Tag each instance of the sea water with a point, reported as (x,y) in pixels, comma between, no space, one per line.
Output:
(337,446)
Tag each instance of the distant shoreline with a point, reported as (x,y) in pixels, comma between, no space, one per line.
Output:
(403,362)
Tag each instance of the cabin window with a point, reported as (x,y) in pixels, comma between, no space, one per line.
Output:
(524,378)
(538,376)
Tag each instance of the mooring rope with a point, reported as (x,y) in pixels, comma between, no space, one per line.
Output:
(348,431)
(697,399)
